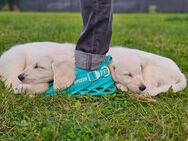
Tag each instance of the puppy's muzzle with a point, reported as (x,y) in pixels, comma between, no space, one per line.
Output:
(21,77)
(142,87)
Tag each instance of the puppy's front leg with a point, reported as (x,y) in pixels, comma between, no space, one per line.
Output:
(31,88)
(121,87)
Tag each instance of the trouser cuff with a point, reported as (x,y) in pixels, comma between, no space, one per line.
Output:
(87,60)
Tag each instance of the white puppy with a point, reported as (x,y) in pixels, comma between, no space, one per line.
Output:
(20,67)
(143,72)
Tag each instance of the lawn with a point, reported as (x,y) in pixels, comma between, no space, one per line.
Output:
(122,116)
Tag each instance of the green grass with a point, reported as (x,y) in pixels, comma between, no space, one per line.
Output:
(116,117)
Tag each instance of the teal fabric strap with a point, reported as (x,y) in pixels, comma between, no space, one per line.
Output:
(89,78)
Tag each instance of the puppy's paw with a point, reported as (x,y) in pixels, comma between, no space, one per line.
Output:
(18,89)
(153,92)
(121,87)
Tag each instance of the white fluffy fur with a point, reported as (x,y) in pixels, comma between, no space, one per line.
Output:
(130,68)
(22,58)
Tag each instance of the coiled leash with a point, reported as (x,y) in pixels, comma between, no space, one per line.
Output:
(95,83)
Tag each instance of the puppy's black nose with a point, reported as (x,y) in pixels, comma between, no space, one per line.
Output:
(21,77)
(142,87)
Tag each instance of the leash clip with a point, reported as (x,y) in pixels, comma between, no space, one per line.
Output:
(93,76)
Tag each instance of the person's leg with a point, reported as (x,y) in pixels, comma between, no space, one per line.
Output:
(91,49)
(95,37)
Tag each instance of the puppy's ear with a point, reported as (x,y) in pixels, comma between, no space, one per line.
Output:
(142,67)
(64,73)
(113,71)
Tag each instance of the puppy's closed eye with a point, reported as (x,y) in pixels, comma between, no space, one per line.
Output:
(128,74)
(38,67)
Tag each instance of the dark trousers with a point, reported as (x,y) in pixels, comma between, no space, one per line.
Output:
(95,37)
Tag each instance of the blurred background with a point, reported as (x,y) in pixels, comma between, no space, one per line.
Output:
(73,5)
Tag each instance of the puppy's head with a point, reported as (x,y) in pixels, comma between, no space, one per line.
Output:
(45,69)
(128,72)
(38,72)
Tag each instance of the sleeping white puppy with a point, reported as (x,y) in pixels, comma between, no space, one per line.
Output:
(43,62)
(143,72)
